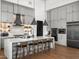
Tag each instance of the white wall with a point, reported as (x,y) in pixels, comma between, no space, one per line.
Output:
(50,4)
(0,18)
(27,3)
(39,9)
(40,13)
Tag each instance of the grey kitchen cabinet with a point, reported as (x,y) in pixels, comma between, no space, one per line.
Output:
(69,8)
(4,6)
(52,15)
(76,7)
(9,9)
(66,13)
(75,16)
(2,43)
(59,13)
(69,17)
(56,14)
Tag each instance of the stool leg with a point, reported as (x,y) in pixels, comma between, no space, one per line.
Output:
(27,53)
(33,48)
(43,46)
(29,50)
(16,52)
(23,53)
(48,45)
(20,53)
(38,48)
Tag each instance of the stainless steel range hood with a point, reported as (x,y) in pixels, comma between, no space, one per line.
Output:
(18,21)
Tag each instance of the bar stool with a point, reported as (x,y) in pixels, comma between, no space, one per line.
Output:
(44,43)
(36,45)
(22,45)
(49,41)
(32,46)
(40,45)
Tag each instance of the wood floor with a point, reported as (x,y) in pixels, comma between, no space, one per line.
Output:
(59,53)
(2,54)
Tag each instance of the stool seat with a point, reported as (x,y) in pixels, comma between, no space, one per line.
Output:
(40,41)
(30,43)
(21,46)
(49,41)
(33,43)
(44,41)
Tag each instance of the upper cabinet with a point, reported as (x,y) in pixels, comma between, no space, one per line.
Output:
(69,8)
(76,7)
(63,14)
(28,3)
(8,10)
(4,6)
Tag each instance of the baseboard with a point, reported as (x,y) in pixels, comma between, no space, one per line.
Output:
(60,45)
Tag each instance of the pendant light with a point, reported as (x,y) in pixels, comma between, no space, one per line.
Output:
(34,21)
(7,12)
(23,19)
(45,22)
(14,16)
(13,8)
(18,21)
(17,6)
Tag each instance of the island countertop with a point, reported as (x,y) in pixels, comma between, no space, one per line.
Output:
(16,40)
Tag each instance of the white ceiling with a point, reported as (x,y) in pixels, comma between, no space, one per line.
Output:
(49,3)
(56,3)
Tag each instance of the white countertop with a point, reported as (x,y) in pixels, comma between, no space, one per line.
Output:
(14,40)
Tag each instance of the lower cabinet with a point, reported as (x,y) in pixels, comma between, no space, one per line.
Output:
(62,39)
(2,43)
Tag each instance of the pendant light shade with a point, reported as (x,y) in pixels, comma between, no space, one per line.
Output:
(34,22)
(45,23)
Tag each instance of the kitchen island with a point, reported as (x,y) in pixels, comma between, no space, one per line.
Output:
(9,43)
